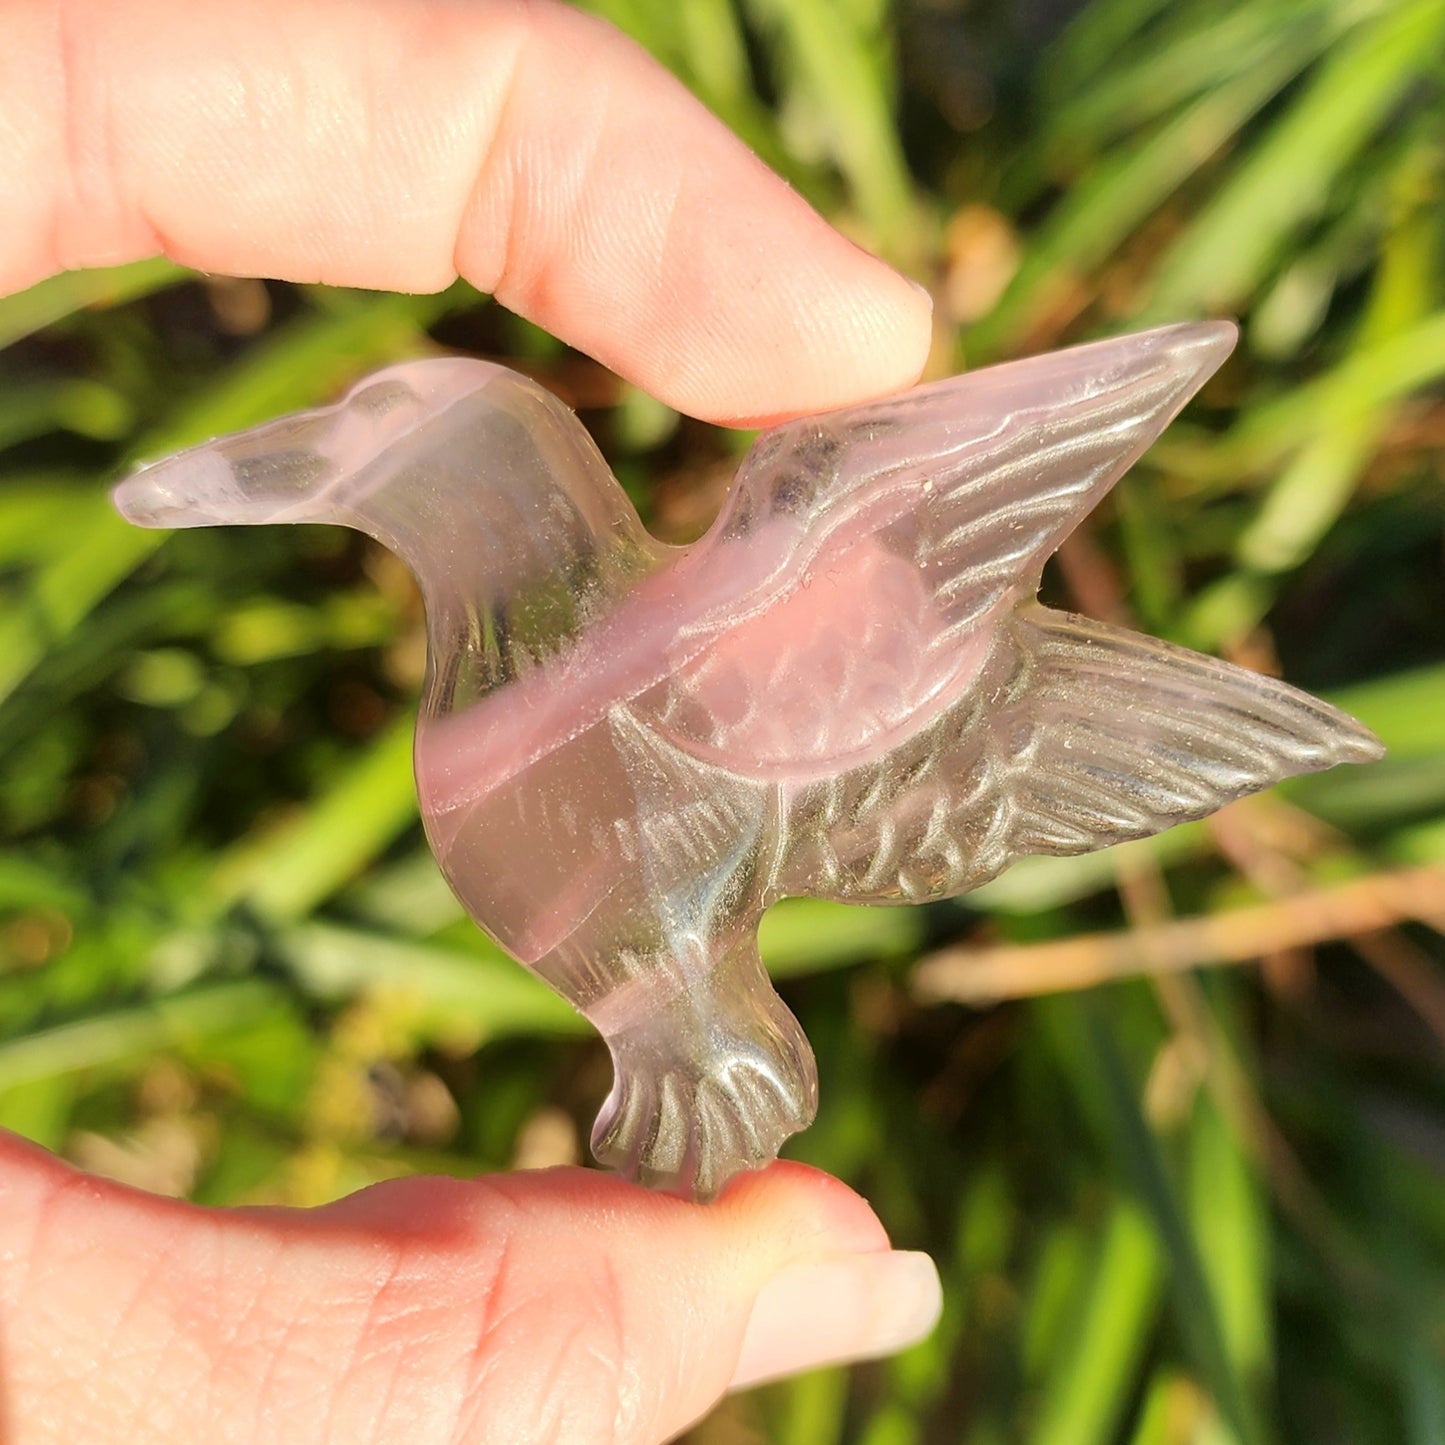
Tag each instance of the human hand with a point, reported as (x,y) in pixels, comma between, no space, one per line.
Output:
(557,1305)
(532,149)
(544,157)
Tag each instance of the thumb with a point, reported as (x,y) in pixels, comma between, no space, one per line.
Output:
(588,1309)
(558,1305)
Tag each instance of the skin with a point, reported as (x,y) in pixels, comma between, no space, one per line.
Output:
(546,158)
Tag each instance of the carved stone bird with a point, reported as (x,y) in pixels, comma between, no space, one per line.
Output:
(846,689)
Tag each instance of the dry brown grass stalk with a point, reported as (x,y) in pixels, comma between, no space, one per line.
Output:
(1349,910)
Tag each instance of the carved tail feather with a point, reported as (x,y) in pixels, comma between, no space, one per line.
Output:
(1123,735)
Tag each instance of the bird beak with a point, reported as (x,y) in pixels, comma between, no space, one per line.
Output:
(276,473)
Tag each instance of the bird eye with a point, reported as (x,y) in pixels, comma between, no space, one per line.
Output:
(282,473)
(794,492)
(383,397)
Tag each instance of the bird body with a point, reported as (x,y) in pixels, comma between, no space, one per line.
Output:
(846,689)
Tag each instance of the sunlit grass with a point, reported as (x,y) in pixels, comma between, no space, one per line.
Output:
(1179,1207)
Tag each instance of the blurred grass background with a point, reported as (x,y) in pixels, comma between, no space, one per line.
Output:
(1169,1205)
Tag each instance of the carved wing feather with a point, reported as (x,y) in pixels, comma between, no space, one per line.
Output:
(906,528)
(1127,735)
(978,479)
(1096,735)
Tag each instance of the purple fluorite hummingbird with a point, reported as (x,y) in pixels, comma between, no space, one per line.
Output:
(846,689)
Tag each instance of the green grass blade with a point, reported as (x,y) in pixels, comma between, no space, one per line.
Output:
(303,363)
(1141,1160)
(839,81)
(716,52)
(810,1408)
(1404,709)
(1288,180)
(1425,1392)
(1230,1220)
(88,408)
(1090,46)
(806,935)
(1104,207)
(101,550)
(290,870)
(1052,1300)
(47,302)
(1082,1403)
(1033,885)
(136,1032)
(299,365)
(1368,379)
(1136,92)
(1310,494)
(458,998)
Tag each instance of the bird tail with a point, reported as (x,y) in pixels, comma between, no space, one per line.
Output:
(1116,735)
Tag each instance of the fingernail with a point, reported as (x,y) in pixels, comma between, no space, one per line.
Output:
(922,290)
(835,1311)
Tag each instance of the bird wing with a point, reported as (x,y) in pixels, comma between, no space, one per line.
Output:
(902,530)
(1091,735)
(1116,735)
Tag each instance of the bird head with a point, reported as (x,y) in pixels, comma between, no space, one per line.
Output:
(482,481)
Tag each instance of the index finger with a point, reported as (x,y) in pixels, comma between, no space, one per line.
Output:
(532,149)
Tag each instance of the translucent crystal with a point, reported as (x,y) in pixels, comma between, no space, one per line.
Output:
(846,689)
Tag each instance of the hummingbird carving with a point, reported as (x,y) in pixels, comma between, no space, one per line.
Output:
(846,689)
